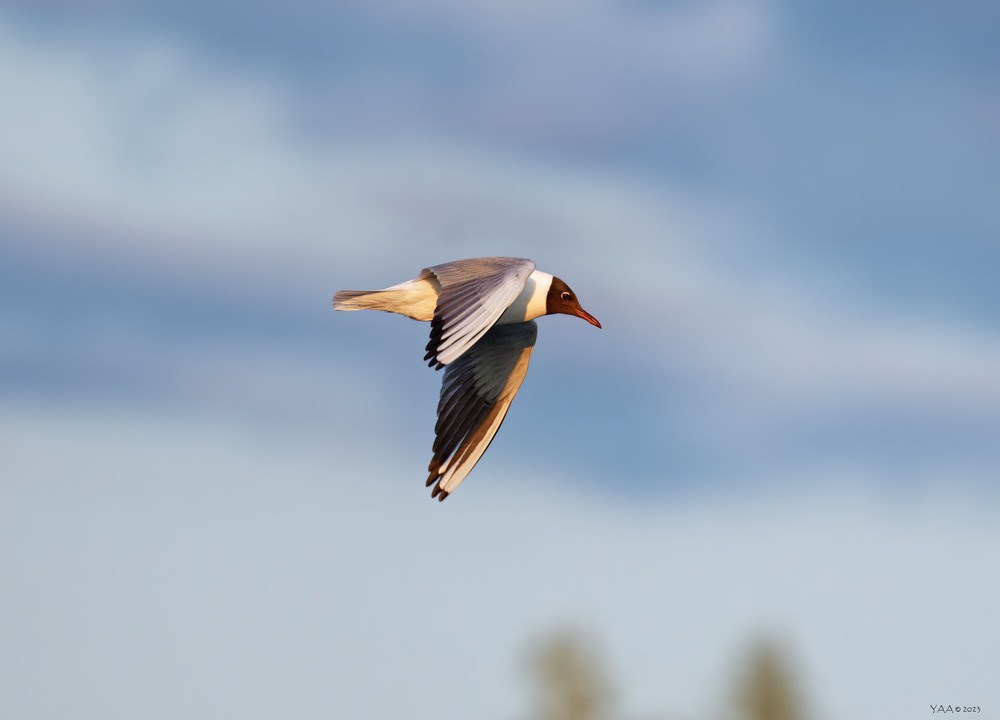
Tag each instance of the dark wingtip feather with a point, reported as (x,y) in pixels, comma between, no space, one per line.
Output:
(432,360)
(437,330)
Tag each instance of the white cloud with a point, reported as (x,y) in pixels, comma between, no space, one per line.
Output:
(680,39)
(149,133)
(164,160)
(146,136)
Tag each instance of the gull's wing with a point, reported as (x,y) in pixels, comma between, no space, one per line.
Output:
(476,392)
(473,295)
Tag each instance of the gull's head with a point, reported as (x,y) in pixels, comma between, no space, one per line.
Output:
(563,300)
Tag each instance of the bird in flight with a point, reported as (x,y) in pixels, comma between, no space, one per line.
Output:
(482,313)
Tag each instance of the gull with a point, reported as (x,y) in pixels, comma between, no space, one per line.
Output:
(482,313)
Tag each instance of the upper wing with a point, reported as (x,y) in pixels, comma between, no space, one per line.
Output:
(476,392)
(473,295)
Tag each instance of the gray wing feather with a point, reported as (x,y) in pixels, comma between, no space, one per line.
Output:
(473,295)
(476,392)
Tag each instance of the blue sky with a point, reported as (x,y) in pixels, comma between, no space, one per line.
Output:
(784,215)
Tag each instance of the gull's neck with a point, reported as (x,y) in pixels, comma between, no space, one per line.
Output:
(532,302)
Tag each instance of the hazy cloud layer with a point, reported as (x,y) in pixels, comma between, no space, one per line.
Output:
(784,216)
(209,573)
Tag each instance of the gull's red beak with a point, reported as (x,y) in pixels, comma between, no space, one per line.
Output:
(580,312)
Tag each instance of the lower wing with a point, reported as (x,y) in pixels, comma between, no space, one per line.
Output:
(476,392)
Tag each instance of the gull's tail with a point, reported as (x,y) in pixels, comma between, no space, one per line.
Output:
(363,300)
(416,299)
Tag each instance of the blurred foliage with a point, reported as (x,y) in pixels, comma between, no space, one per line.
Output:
(569,682)
(569,679)
(766,690)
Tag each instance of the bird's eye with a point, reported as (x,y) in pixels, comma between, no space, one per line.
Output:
(566,296)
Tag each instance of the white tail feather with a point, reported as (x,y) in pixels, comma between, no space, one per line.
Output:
(415,298)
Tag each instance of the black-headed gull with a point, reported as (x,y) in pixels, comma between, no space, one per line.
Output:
(482,313)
